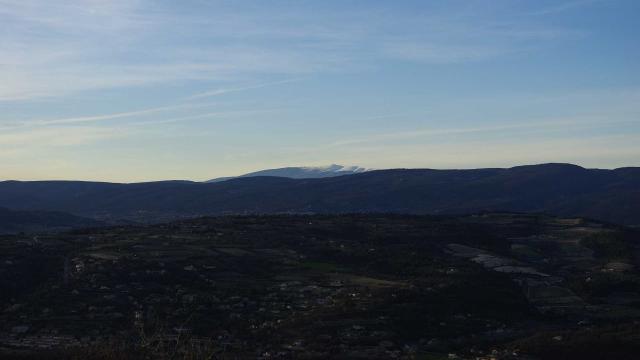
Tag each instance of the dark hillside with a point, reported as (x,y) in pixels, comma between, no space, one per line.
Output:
(559,189)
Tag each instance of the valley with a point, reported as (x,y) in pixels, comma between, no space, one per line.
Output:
(493,285)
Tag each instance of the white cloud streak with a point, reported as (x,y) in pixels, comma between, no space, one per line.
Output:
(222,91)
(47,137)
(545,124)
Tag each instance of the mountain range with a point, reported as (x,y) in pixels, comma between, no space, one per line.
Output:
(302,172)
(558,189)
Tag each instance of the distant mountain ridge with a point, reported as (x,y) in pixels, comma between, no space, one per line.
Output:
(306,172)
(557,189)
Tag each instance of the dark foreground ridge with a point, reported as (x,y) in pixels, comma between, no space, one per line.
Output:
(559,189)
(493,286)
(17,221)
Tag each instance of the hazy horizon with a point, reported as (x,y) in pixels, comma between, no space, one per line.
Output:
(142,90)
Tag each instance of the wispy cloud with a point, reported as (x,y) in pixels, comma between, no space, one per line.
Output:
(442,53)
(97,118)
(223,91)
(564,6)
(53,49)
(218,114)
(62,48)
(28,140)
(545,124)
(34,123)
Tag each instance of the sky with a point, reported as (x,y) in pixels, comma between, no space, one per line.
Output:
(143,90)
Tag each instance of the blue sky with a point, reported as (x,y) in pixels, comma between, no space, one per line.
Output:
(145,90)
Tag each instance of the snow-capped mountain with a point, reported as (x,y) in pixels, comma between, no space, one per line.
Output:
(306,172)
